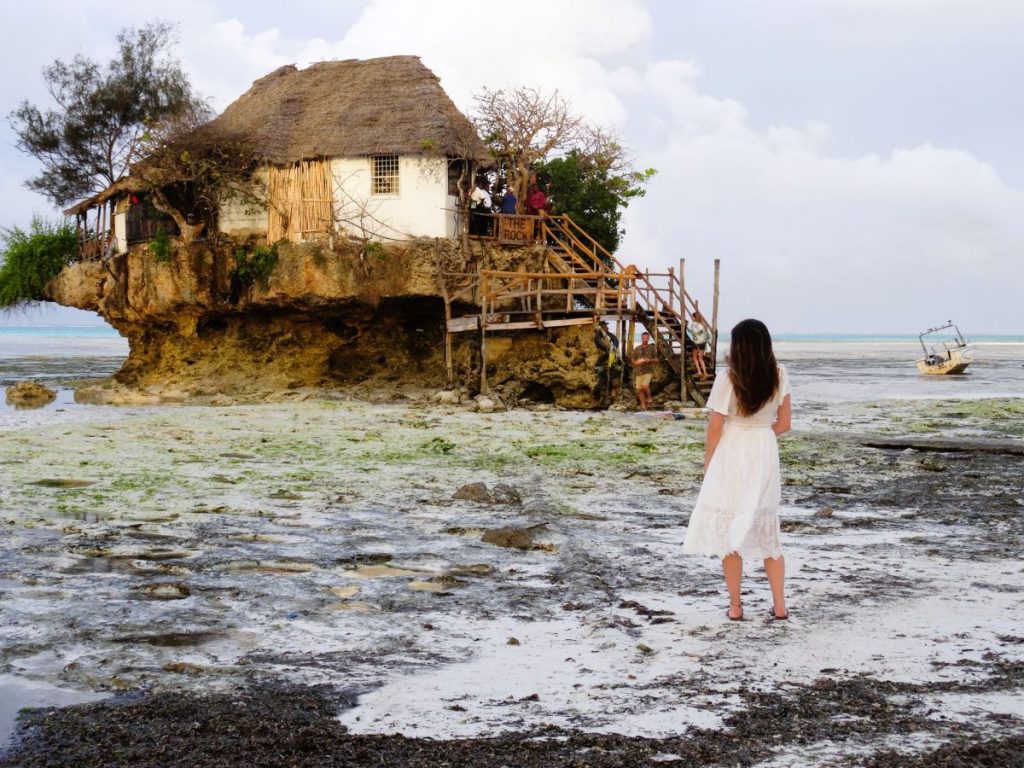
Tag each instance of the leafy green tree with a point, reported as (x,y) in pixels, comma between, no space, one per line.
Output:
(31,259)
(103,117)
(588,187)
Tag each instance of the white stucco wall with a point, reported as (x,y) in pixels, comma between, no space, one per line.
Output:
(121,232)
(420,209)
(236,218)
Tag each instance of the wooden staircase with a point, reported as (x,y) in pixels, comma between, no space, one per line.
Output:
(659,302)
(579,279)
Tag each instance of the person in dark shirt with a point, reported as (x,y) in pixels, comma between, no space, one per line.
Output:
(608,360)
(509,201)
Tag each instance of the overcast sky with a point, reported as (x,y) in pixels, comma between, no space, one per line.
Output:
(855,164)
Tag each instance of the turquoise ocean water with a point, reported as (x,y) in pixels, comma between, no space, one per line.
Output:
(824,367)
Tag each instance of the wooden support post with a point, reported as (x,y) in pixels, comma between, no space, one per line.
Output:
(682,329)
(671,289)
(625,291)
(483,340)
(714,319)
(449,364)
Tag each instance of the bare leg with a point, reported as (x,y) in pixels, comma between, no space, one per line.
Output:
(732,569)
(776,570)
(698,364)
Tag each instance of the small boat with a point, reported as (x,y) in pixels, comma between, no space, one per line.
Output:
(944,355)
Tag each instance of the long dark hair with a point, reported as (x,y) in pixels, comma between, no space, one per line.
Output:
(752,367)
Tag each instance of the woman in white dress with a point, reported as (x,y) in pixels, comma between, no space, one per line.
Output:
(737,511)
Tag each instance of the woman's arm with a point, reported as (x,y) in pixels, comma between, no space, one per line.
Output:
(715,423)
(784,417)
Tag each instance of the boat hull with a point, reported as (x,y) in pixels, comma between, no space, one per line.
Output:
(954,362)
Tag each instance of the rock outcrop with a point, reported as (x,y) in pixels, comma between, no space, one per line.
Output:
(29,394)
(367,319)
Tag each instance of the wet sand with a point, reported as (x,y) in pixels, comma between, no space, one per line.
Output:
(186,559)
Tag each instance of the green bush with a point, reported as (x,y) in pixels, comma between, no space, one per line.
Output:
(31,259)
(256,266)
(161,247)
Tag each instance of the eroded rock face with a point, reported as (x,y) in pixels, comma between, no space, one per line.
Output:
(29,394)
(322,319)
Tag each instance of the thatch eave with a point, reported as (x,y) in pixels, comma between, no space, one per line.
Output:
(124,185)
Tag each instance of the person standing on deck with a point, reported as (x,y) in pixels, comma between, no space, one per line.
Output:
(643,357)
(737,511)
(509,201)
(480,202)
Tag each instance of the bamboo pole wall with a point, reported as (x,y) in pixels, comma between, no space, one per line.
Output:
(301,202)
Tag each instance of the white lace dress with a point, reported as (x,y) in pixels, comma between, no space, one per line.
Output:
(738,506)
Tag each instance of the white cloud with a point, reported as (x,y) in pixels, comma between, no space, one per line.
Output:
(810,238)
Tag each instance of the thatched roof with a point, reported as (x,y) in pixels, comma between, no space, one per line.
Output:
(351,108)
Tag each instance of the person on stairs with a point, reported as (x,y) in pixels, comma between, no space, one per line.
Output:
(644,356)
(698,334)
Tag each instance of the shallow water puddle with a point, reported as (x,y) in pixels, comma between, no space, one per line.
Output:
(434,585)
(172,639)
(17,693)
(378,571)
(355,607)
(160,555)
(120,564)
(286,496)
(163,591)
(344,591)
(62,482)
(269,538)
(276,567)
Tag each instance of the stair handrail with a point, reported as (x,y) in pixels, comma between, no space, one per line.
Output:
(609,259)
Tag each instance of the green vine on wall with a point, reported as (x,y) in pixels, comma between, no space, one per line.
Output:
(255,266)
(160,247)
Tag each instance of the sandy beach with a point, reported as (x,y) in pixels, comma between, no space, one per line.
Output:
(414,571)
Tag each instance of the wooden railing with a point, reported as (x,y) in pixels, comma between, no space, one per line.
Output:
(659,301)
(510,293)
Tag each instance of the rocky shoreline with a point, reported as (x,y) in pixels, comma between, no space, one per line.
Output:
(339,583)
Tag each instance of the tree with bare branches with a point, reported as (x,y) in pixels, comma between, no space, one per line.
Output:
(523,126)
(537,135)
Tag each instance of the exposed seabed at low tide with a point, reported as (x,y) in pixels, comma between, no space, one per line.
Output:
(186,551)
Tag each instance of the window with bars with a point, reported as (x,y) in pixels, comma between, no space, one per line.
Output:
(384,175)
